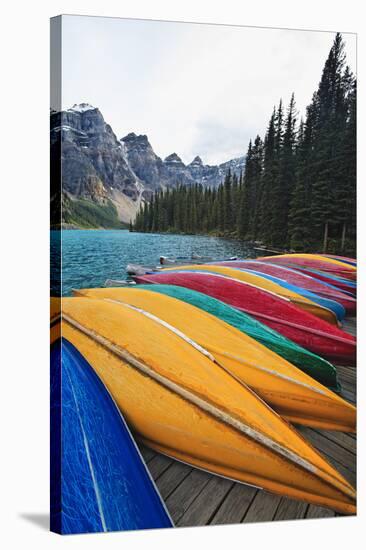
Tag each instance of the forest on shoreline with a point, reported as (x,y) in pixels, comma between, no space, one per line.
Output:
(298,189)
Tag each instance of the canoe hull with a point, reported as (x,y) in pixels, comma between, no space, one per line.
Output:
(264,283)
(314,365)
(300,279)
(325,264)
(290,392)
(344,285)
(279,314)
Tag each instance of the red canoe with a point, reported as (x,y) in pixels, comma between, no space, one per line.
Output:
(299,279)
(277,312)
(291,260)
(345,285)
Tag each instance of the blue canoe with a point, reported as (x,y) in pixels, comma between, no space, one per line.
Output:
(334,306)
(99,481)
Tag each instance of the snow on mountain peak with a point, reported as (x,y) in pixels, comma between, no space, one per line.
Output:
(81,108)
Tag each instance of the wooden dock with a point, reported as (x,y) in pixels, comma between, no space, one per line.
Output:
(194,497)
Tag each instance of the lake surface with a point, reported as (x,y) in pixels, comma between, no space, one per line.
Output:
(89,257)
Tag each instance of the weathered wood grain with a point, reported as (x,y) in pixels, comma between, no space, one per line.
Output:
(263,507)
(159,464)
(207,502)
(291,509)
(347,441)
(316,512)
(184,495)
(235,505)
(169,480)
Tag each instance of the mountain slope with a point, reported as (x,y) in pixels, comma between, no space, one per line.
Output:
(104,180)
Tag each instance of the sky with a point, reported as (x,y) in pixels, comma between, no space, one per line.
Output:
(193,89)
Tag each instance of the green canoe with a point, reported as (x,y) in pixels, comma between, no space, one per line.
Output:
(312,364)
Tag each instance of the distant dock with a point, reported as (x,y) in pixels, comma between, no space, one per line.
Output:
(194,497)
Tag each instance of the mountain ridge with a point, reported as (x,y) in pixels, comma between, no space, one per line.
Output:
(112,175)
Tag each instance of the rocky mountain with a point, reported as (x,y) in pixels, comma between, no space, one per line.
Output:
(148,167)
(158,173)
(93,163)
(104,180)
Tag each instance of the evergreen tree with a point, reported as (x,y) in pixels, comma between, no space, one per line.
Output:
(245,193)
(255,195)
(269,175)
(329,124)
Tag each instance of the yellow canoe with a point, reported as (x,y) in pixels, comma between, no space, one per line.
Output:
(178,401)
(266,284)
(287,389)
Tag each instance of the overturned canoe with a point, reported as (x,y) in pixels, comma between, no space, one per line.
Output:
(344,259)
(292,393)
(99,481)
(277,312)
(315,261)
(299,279)
(332,305)
(344,285)
(181,403)
(262,282)
(315,366)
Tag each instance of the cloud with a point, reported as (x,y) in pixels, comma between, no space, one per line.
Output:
(192,88)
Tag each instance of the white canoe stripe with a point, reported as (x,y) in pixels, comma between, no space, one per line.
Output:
(214,411)
(293,299)
(166,325)
(230,278)
(209,355)
(275,373)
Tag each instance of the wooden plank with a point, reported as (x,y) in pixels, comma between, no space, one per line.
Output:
(348,373)
(344,440)
(342,455)
(169,480)
(235,505)
(314,512)
(180,500)
(347,376)
(158,465)
(290,509)
(346,473)
(207,502)
(347,379)
(263,507)
(349,388)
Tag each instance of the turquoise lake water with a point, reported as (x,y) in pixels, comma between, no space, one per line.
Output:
(90,257)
